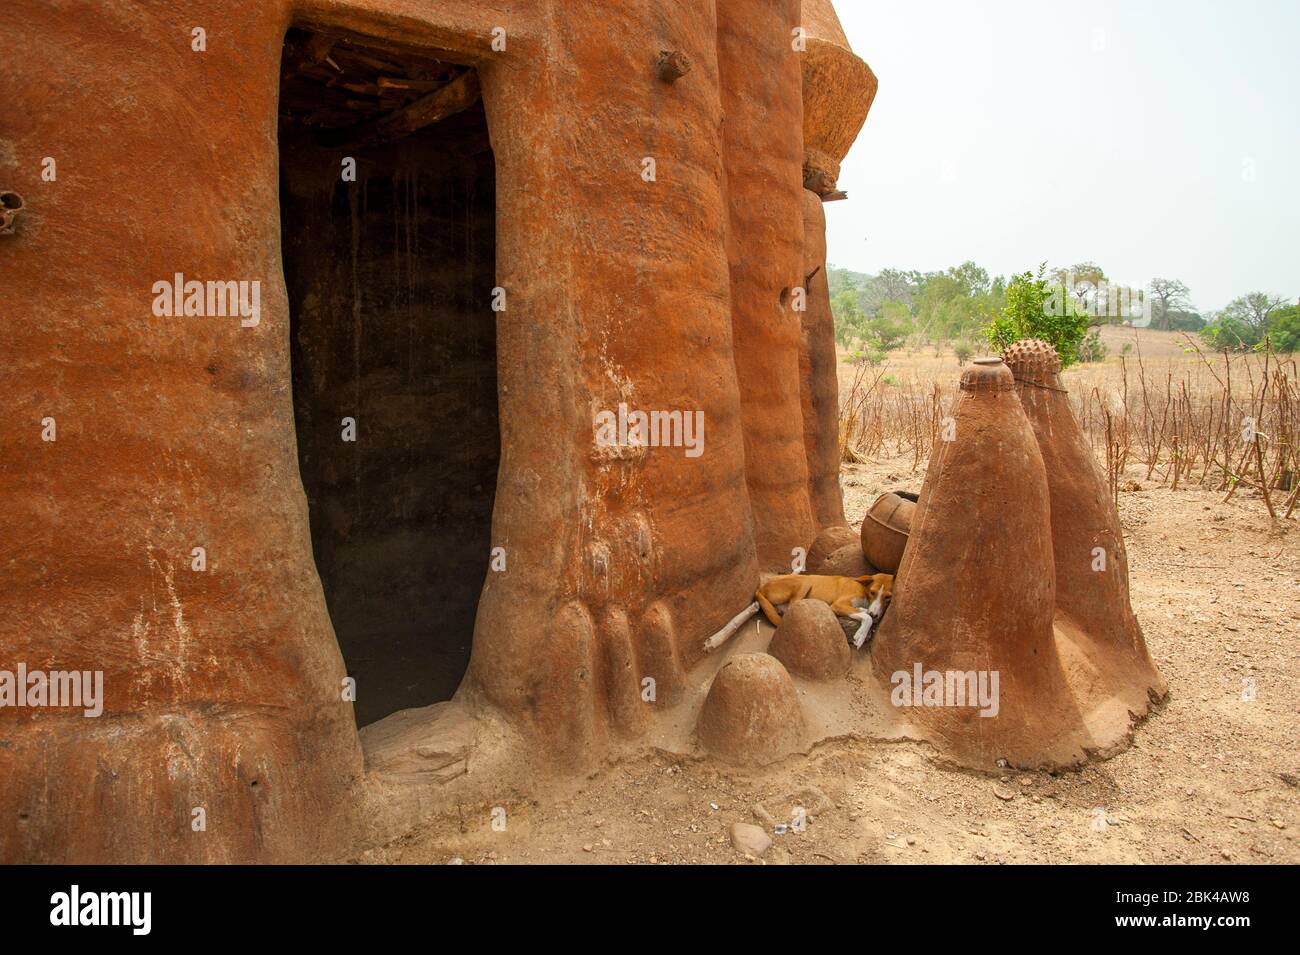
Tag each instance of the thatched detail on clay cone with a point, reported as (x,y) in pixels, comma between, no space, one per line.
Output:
(1094,617)
(976,592)
(838,90)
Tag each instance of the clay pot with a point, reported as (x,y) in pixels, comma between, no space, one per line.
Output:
(885,530)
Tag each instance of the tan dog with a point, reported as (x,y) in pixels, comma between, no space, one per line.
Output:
(858,598)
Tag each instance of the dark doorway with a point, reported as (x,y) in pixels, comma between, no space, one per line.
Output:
(390,284)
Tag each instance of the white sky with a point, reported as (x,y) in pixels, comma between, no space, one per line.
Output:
(1155,137)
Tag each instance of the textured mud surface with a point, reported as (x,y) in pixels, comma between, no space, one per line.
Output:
(1206,779)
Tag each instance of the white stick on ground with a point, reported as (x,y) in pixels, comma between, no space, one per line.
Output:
(726,633)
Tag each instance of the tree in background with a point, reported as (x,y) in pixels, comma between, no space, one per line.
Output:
(1170,296)
(889,330)
(891,285)
(1037,308)
(1227,333)
(962,305)
(1246,323)
(1254,310)
(940,304)
(972,278)
(1183,321)
(951,305)
(848,317)
(941,307)
(1087,280)
(1092,348)
(1284,329)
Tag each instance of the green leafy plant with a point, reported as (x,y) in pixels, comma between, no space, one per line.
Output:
(1229,333)
(1284,329)
(888,330)
(871,357)
(1038,308)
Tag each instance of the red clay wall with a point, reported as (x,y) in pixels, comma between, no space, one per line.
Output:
(223,686)
(763,157)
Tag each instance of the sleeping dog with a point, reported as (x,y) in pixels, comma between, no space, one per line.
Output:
(858,598)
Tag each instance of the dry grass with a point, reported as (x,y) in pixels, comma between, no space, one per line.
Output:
(1188,417)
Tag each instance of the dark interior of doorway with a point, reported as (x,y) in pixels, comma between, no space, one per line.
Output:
(390,275)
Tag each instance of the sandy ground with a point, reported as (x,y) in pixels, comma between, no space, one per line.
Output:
(1211,777)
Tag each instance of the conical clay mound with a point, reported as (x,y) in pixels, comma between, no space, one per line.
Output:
(976,594)
(1100,638)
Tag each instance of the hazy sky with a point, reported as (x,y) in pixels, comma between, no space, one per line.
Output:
(1155,137)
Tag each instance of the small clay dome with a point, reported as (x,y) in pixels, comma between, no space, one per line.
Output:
(828,542)
(810,642)
(752,712)
(846,561)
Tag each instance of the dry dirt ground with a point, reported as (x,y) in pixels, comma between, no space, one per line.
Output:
(1211,778)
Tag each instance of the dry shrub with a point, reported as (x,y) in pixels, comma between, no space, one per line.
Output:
(1219,421)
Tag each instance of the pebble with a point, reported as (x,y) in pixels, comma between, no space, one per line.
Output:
(750,839)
